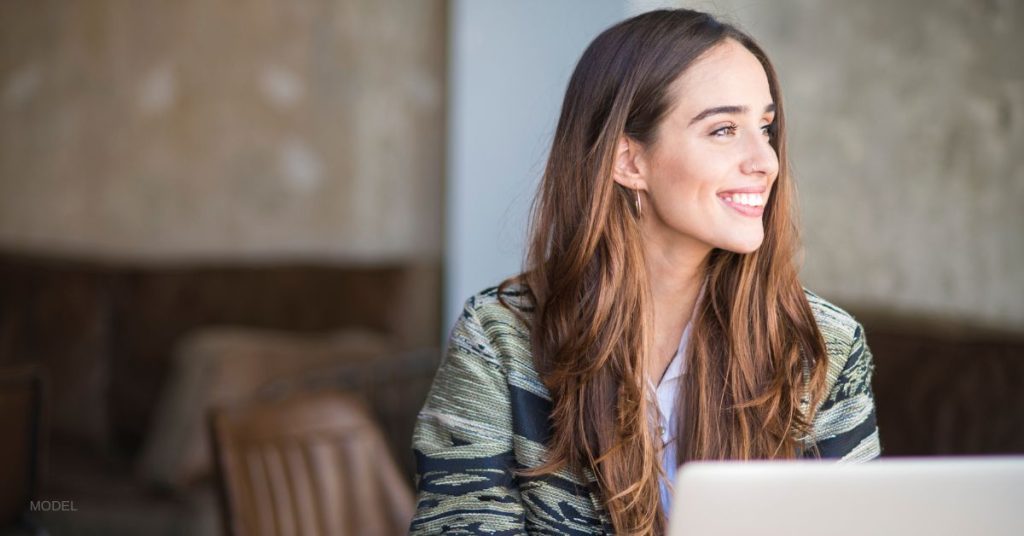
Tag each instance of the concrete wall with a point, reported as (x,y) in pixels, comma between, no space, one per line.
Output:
(190,129)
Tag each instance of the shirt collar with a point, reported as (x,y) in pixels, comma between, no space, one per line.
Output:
(677,367)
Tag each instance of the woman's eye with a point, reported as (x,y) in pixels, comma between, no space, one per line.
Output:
(730,130)
(722,132)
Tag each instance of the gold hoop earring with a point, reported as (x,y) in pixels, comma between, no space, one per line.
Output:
(639,207)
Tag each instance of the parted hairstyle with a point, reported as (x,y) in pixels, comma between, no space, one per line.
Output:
(756,361)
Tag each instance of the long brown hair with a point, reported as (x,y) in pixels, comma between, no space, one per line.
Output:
(756,361)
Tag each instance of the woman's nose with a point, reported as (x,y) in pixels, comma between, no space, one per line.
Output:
(761,157)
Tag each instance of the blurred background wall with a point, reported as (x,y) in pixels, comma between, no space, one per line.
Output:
(173,131)
(906,129)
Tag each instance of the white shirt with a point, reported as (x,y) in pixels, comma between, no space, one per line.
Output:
(666,391)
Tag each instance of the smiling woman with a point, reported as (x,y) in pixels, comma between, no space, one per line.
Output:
(660,319)
(706,154)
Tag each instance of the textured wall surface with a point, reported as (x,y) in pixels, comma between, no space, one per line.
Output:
(182,129)
(907,132)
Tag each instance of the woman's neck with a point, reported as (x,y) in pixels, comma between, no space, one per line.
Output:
(675,275)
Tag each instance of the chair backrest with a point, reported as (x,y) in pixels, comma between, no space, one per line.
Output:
(309,465)
(21,399)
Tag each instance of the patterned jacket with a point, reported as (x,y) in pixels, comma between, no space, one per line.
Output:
(487,413)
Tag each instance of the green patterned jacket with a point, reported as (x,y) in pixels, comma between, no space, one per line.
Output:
(487,413)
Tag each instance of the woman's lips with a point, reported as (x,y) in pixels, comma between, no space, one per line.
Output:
(746,210)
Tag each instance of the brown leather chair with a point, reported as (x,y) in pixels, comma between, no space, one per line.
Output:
(309,465)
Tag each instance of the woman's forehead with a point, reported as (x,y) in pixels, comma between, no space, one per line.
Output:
(726,75)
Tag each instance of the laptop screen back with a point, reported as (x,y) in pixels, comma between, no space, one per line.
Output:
(909,496)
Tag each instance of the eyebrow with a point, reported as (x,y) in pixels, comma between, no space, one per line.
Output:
(732,110)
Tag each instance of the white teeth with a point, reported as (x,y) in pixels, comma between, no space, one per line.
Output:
(751,200)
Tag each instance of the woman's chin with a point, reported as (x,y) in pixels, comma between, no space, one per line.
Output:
(744,246)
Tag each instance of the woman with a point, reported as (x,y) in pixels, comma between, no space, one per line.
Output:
(660,318)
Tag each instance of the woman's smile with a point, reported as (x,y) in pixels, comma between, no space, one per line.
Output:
(748,201)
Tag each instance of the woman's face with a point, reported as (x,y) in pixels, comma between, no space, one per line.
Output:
(710,170)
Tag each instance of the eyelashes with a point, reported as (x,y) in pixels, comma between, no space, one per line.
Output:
(730,130)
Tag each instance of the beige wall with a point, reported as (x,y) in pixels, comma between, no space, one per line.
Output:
(907,131)
(194,129)
(198,129)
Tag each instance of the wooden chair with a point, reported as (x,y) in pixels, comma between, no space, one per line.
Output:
(309,465)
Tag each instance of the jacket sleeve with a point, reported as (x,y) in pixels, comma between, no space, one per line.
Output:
(463,442)
(845,426)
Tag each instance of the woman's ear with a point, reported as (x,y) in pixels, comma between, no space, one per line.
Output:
(628,166)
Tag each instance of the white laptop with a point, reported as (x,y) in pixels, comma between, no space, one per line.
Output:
(905,496)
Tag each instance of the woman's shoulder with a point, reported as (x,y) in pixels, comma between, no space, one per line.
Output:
(510,305)
(845,342)
(500,315)
(837,326)
(844,426)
